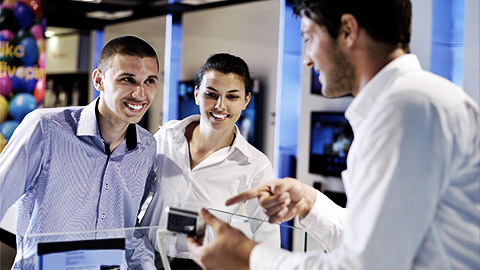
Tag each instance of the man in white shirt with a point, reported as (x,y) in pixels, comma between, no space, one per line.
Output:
(412,178)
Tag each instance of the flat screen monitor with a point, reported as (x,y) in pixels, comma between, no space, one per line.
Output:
(103,254)
(316,85)
(186,101)
(330,138)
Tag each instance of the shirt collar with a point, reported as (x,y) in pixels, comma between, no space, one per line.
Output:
(361,105)
(239,143)
(88,125)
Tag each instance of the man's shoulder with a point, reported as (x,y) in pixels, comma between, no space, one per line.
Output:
(433,88)
(59,116)
(59,112)
(145,135)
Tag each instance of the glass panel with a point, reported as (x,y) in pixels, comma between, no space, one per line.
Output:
(108,249)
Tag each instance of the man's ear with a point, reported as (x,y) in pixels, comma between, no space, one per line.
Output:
(349,30)
(97,79)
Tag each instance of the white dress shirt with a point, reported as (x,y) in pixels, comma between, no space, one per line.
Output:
(413,181)
(220,176)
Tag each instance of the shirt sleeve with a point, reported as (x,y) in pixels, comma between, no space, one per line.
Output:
(325,222)
(262,230)
(396,173)
(21,159)
(140,254)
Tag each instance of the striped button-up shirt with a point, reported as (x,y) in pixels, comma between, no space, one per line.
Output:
(56,163)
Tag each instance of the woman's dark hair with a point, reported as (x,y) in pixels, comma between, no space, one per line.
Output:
(226,63)
(125,45)
(387,21)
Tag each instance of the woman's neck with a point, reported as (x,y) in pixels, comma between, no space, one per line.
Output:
(203,142)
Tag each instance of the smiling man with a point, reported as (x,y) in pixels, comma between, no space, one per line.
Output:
(412,177)
(85,168)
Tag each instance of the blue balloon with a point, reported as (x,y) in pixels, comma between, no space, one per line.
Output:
(21,105)
(23,14)
(30,85)
(30,57)
(7,128)
(20,84)
(17,83)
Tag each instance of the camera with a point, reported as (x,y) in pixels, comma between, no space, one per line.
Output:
(185,221)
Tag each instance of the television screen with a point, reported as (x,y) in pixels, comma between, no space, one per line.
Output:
(100,254)
(330,139)
(186,102)
(316,85)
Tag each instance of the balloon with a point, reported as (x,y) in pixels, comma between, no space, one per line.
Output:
(37,31)
(41,45)
(9,3)
(8,20)
(21,82)
(41,59)
(21,105)
(23,14)
(7,128)
(3,142)
(36,6)
(5,86)
(17,83)
(9,35)
(39,91)
(3,109)
(30,56)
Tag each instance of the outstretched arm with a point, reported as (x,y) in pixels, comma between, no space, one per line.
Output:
(283,199)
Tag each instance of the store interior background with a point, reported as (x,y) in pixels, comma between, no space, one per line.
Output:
(266,35)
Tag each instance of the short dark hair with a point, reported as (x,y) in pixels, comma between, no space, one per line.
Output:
(226,63)
(387,21)
(125,45)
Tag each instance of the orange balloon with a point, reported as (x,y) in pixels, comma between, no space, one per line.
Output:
(3,142)
(41,46)
(9,2)
(3,108)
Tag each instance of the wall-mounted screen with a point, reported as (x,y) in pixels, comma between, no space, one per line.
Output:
(330,138)
(316,85)
(186,99)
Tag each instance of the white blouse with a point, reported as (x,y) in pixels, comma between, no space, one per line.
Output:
(220,176)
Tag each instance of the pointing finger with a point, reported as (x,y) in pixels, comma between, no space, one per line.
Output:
(244,196)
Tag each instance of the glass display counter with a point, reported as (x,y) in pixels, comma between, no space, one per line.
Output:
(109,249)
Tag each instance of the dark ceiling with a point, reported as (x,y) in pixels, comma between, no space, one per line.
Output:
(73,13)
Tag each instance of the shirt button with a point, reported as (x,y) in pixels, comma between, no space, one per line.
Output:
(106,186)
(103,216)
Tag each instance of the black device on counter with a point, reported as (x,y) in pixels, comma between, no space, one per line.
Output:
(185,221)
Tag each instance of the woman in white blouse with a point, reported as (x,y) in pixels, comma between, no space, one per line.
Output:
(203,159)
